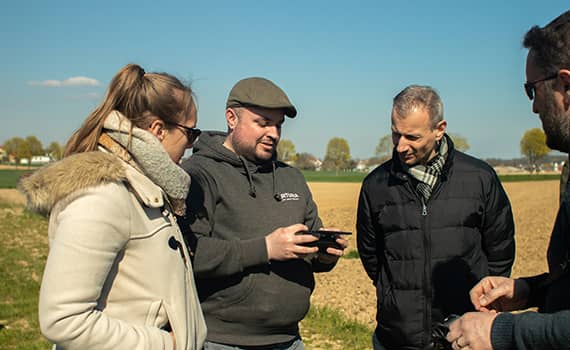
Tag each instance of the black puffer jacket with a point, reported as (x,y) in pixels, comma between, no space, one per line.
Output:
(424,259)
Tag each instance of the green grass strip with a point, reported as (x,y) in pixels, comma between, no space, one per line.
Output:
(22,258)
(349,176)
(324,328)
(352,254)
(9,178)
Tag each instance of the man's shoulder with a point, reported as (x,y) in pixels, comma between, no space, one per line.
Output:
(288,170)
(380,172)
(197,163)
(468,164)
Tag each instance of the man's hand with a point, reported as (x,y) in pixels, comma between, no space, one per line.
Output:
(499,294)
(472,331)
(332,254)
(284,243)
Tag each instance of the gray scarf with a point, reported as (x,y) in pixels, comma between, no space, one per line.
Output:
(144,152)
(428,175)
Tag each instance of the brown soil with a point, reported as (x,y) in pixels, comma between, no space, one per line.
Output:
(348,288)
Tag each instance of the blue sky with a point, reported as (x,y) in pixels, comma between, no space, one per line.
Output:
(340,62)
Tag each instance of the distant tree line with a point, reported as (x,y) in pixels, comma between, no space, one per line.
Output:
(337,157)
(18,148)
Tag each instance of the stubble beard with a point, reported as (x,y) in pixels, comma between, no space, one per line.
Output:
(249,152)
(555,124)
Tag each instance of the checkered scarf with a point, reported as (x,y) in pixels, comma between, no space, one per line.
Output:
(427,176)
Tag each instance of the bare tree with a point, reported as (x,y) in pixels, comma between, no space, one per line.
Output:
(459,142)
(384,147)
(286,151)
(338,154)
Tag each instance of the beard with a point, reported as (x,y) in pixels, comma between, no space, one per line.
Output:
(248,149)
(555,123)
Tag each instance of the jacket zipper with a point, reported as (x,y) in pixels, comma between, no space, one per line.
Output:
(427,269)
(426,281)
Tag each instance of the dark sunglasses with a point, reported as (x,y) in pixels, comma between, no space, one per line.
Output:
(192,134)
(530,86)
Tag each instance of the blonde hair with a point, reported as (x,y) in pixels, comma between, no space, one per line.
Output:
(140,97)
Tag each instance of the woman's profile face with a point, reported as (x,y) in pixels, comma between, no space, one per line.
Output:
(177,138)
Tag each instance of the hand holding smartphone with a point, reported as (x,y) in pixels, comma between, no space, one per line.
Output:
(325,240)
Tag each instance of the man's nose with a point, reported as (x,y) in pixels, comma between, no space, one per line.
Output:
(273,132)
(401,145)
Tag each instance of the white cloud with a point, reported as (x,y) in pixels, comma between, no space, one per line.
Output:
(80,81)
(73,81)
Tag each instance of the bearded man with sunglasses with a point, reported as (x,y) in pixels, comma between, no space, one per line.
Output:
(548,87)
(245,211)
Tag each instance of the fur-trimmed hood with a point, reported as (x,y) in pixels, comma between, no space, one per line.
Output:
(54,182)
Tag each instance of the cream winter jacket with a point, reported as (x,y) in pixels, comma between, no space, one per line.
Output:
(118,271)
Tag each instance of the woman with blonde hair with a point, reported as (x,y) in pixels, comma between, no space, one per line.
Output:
(118,274)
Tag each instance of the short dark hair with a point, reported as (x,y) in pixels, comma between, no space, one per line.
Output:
(551,45)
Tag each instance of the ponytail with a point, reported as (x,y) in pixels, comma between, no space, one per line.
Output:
(138,96)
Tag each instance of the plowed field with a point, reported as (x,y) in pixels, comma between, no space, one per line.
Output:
(349,289)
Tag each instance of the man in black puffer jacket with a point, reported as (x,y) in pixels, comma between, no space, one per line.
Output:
(432,222)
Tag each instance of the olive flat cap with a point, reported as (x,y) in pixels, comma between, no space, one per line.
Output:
(260,92)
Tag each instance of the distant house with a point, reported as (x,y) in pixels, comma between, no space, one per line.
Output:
(40,160)
(3,155)
(366,165)
(362,165)
(318,164)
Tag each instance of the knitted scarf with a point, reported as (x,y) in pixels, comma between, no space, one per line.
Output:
(428,175)
(144,152)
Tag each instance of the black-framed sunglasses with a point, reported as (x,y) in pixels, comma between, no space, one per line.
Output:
(530,86)
(192,134)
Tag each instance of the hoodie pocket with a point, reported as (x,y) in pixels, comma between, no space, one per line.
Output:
(237,293)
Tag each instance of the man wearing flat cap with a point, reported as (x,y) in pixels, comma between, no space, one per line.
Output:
(245,212)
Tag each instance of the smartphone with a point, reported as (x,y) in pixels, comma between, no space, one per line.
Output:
(325,232)
(326,239)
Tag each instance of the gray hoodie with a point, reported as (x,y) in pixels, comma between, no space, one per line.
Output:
(233,204)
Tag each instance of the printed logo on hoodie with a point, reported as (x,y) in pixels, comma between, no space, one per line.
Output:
(288,196)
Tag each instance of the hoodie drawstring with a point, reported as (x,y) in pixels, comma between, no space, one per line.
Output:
(252,191)
(276,194)
(249,179)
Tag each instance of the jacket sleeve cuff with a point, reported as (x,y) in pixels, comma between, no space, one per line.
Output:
(253,252)
(502,331)
(537,289)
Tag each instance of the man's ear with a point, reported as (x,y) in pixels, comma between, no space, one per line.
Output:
(564,75)
(157,128)
(231,118)
(440,129)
